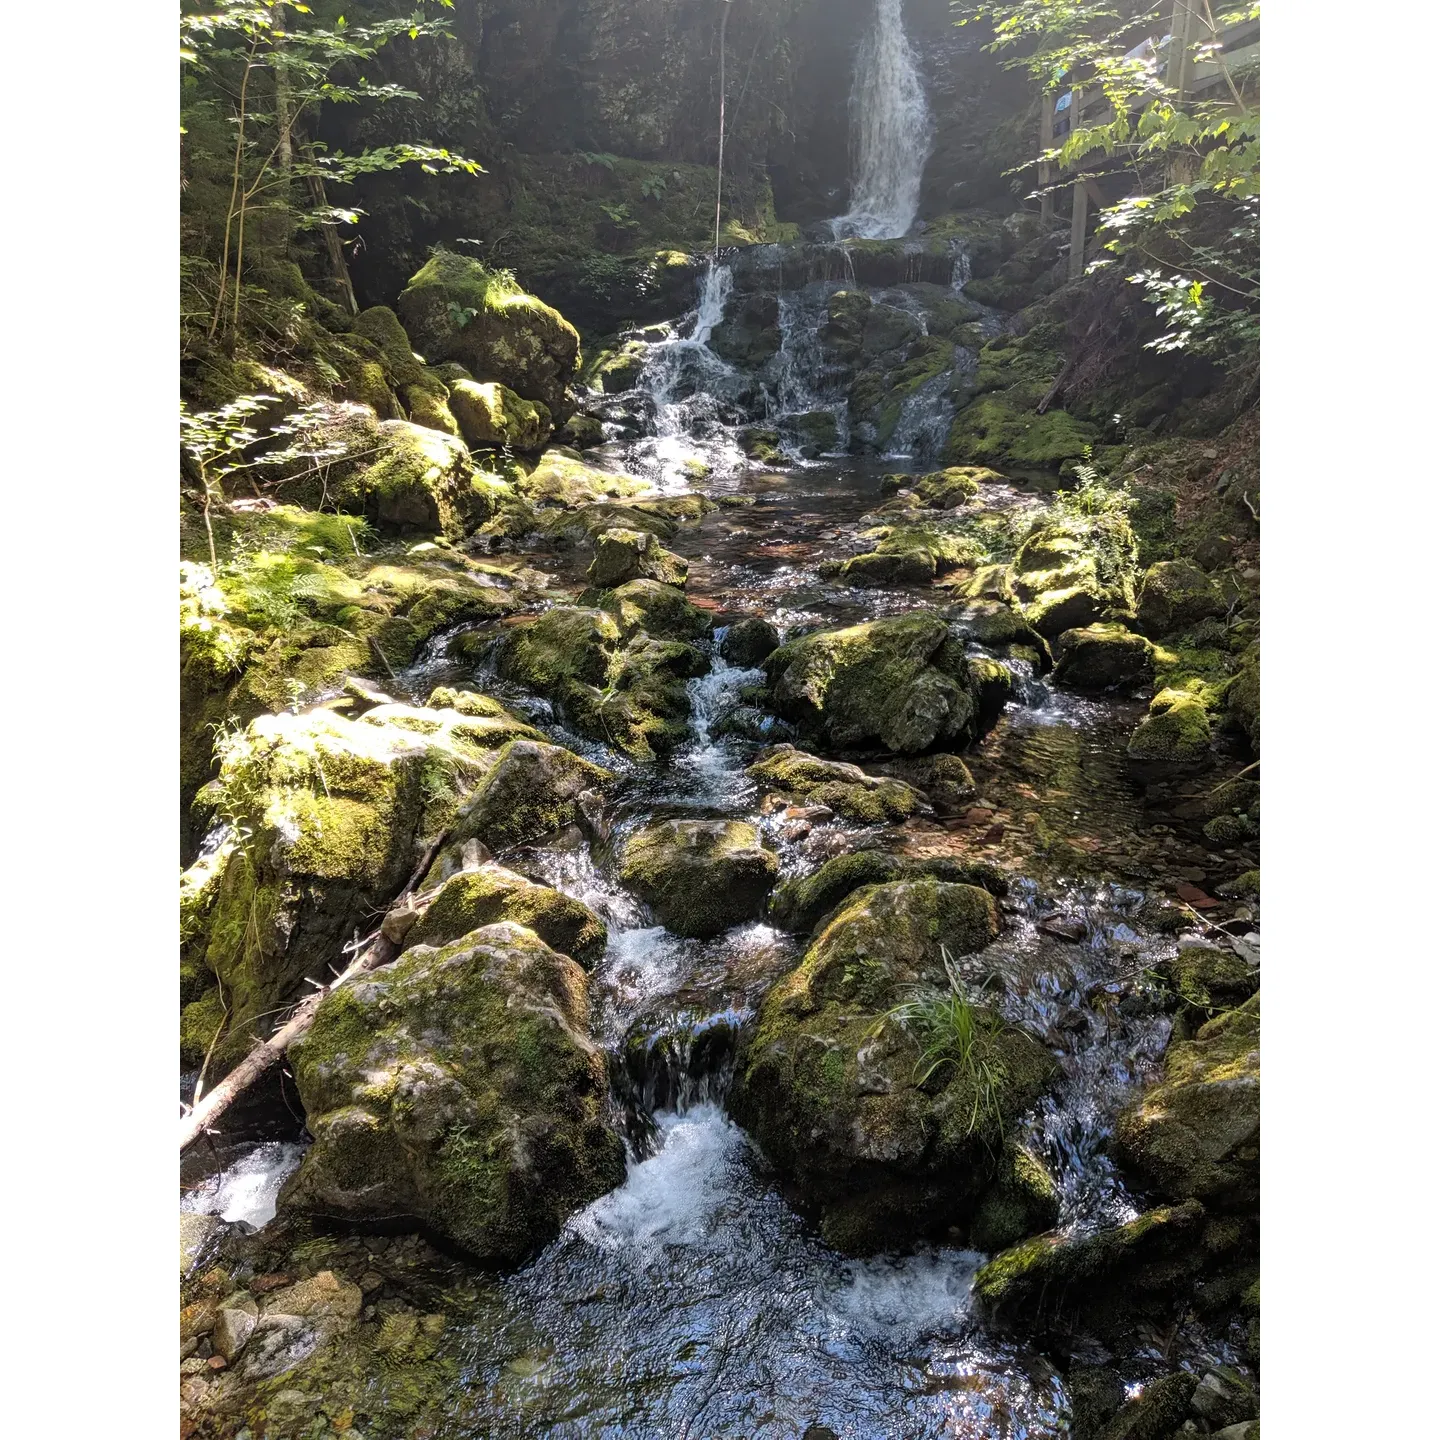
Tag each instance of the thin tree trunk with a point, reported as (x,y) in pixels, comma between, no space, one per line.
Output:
(720,163)
(332,243)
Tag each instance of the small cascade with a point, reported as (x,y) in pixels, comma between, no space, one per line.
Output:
(893,132)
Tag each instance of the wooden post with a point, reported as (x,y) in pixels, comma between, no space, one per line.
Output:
(1177,66)
(1079,216)
(1047,139)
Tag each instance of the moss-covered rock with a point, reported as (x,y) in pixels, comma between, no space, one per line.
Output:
(845,789)
(1157,1413)
(532,789)
(941,489)
(700,877)
(748,642)
(762,444)
(880,1147)
(336,814)
(458,1087)
(658,609)
(901,683)
(457,309)
(1175,594)
(882,570)
(1242,700)
(1103,657)
(1176,731)
(421,480)
(562,480)
(1024,1200)
(624,555)
(1054,612)
(1060,1276)
(996,624)
(476,898)
(1196,1135)
(1206,981)
(492,416)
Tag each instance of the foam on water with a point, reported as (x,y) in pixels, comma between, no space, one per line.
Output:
(249,1189)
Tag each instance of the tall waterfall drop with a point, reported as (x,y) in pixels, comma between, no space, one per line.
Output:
(891,122)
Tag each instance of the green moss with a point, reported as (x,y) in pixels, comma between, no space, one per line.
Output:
(845,789)
(701,877)
(530,791)
(493,416)
(1177,729)
(477,898)
(561,480)
(201,1022)
(995,431)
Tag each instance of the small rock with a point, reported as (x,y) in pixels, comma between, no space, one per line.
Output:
(371,1281)
(216,1362)
(195,1232)
(232,1330)
(194,1366)
(1194,897)
(264,1284)
(1063,927)
(1224,1397)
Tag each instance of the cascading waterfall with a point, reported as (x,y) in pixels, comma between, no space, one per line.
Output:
(893,131)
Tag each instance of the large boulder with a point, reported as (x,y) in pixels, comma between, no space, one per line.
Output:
(564,480)
(334,815)
(749,641)
(700,877)
(492,416)
(1174,595)
(421,479)
(476,898)
(458,1087)
(1175,732)
(889,1124)
(1103,657)
(845,789)
(658,609)
(457,309)
(626,690)
(900,683)
(624,555)
(1196,1135)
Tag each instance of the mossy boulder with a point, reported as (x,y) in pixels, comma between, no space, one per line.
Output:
(1054,612)
(747,642)
(1103,657)
(801,904)
(658,609)
(1174,595)
(476,898)
(1242,700)
(1176,731)
(455,308)
(1206,981)
(624,555)
(900,683)
(882,570)
(563,480)
(458,1087)
(700,877)
(1157,1413)
(1196,1135)
(1024,1200)
(532,789)
(336,813)
(997,625)
(941,489)
(421,480)
(762,444)
(816,433)
(877,1147)
(1004,431)
(845,789)
(492,416)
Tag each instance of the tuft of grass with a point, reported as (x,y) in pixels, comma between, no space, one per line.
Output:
(954,1033)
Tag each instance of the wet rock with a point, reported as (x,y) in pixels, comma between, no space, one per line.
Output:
(1155,1413)
(762,444)
(492,416)
(817,433)
(457,1087)
(232,1329)
(881,570)
(748,642)
(881,1148)
(1175,594)
(996,624)
(472,900)
(561,480)
(941,489)
(624,555)
(1052,612)
(1056,1277)
(1242,700)
(1207,980)
(1224,1397)
(701,877)
(1196,1135)
(1096,1394)
(993,684)
(901,682)
(322,1294)
(1023,1200)
(846,789)
(1103,657)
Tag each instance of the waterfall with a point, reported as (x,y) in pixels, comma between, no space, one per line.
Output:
(891,122)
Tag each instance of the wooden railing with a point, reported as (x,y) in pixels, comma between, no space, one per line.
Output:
(1076,109)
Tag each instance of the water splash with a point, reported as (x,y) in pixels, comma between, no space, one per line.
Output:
(248,1189)
(893,131)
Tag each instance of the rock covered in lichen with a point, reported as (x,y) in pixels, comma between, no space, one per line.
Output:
(1175,594)
(458,1088)
(902,683)
(884,1149)
(1103,657)
(492,416)
(1176,731)
(700,877)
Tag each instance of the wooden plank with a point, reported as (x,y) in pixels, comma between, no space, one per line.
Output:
(1047,139)
(1079,216)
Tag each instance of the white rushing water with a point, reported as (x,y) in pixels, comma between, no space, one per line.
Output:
(249,1188)
(893,133)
